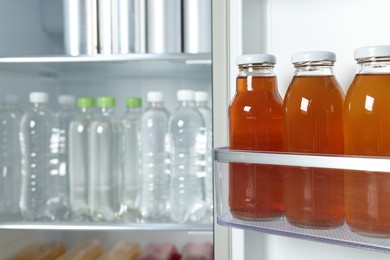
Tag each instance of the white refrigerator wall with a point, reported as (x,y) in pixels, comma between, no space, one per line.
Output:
(283,27)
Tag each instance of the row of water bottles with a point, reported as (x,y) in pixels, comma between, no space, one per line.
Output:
(90,165)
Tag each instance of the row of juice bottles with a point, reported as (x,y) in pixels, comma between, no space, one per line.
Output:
(122,250)
(314,117)
(91,165)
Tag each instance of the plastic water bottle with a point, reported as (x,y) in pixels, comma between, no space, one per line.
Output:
(187,148)
(154,202)
(105,163)
(78,159)
(10,167)
(39,140)
(201,99)
(131,175)
(65,115)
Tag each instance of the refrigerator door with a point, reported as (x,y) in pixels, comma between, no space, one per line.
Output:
(283,27)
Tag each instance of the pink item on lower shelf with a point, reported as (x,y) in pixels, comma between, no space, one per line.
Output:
(198,251)
(163,251)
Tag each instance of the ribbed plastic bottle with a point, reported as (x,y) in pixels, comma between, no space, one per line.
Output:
(202,99)
(10,165)
(105,163)
(39,140)
(187,145)
(79,159)
(131,154)
(155,171)
(64,116)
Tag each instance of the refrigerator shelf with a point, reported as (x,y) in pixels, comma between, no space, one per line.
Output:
(201,58)
(106,226)
(341,235)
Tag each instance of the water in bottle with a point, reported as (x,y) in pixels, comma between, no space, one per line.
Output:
(187,144)
(39,140)
(105,163)
(155,176)
(10,166)
(201,99)
(131,172)
(65,115)
(78,159)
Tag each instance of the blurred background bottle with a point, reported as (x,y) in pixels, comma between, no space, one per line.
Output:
(64,116)
(39,139)
(202,99)
(187,145)
(105,163)
(78,159)
(10,165)
(155,172)
(131,171)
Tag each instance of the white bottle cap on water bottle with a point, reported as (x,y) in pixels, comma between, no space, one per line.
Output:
(201,96)
(155,96)
(39,97)
(185,95)
(66,100)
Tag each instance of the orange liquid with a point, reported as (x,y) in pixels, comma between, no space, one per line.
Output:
(255,123)
(367,132)
(313,124)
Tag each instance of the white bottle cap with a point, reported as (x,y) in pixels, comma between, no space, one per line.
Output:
(372,51)
(39,97)
(66,100)
(256,59)
(155,96)
(185,95)
(11,99)
(201,96)
(313,56)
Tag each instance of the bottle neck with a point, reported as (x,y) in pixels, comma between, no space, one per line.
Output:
(321,68)
(374,67)
(38,106)
(256,70)
(202,104)
(86,109)
(187,103)
(133,109)
(106,110)
(66,106)
(158,104)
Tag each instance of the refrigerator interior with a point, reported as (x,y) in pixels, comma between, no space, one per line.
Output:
(283,27)
(32,29)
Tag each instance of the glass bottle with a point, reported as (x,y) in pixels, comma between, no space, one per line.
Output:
(367,132)
(312,111)
(255,123)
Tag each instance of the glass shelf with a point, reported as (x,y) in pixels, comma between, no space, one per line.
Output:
(105,226)
(180,65)
(341,235)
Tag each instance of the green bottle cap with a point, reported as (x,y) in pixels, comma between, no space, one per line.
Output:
(85,102)
(133,102)
(106,102)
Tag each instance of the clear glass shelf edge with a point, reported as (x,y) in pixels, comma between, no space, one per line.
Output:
(105,226)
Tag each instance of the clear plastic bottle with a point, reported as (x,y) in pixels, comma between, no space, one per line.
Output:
(131,171)
(105,163)
(64,116)
(154,198)
(10,165)
(39,140)
(78,159)
(201,99)
(187,143)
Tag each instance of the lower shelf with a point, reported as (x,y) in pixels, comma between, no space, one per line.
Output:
(339,236)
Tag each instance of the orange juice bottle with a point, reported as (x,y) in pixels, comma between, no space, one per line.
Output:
(312,111)
(255,123)
(367,132)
